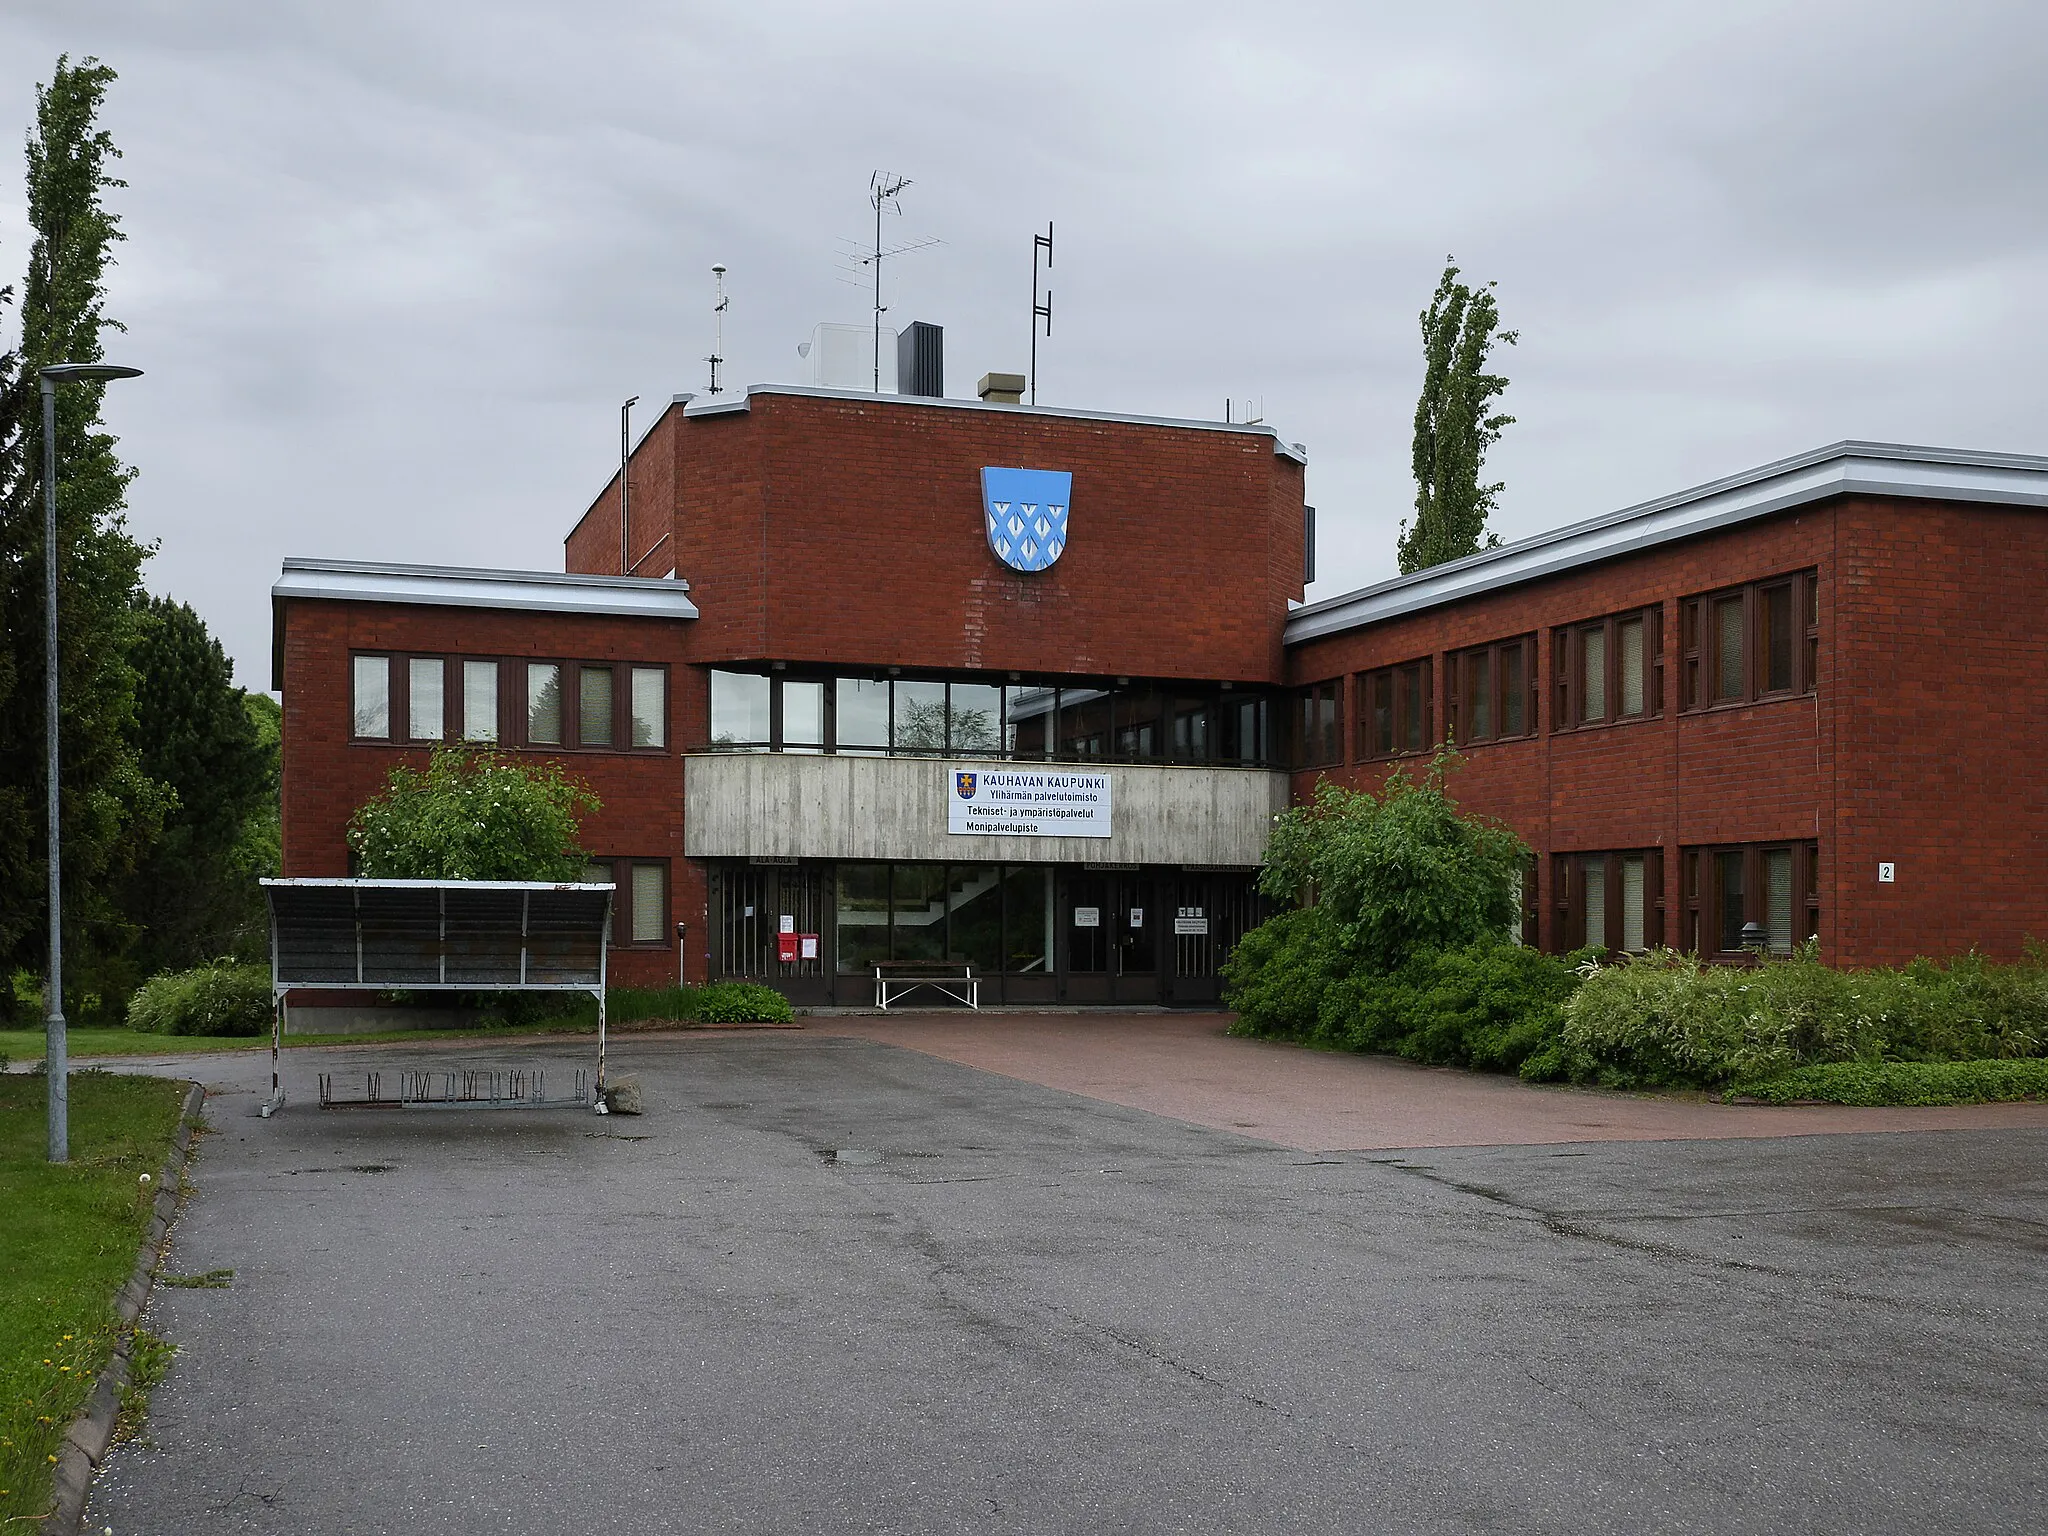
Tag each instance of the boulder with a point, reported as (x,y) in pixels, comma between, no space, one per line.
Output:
(622,1095)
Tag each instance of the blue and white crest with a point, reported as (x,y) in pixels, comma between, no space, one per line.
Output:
(963,784)
(1027,515)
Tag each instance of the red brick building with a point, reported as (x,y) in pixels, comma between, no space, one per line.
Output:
(840,720)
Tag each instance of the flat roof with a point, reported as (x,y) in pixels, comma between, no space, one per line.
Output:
(1841,469)
(695,408)
(363,581)
(452,586)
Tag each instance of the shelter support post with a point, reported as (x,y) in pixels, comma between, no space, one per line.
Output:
(276,1099)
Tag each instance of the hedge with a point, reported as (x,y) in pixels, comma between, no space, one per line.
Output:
(1903,1082)
(217,999)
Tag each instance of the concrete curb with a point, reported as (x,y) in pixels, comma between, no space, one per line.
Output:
(85,1446)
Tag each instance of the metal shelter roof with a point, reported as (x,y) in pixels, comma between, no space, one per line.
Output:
(467,935)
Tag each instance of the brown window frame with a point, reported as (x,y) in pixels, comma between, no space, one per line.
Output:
(1458,691)
(1700,685)
(621,866)
(1567,647)
(1700,893)
(1568,896)
(1319,731)
(1404,681)
(398,696)
(512,714)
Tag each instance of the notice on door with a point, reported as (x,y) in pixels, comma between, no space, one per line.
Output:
(1003,802)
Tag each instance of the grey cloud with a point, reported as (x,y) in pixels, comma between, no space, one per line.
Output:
(392,267)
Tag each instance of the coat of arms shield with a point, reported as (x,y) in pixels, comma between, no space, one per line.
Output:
(1026,513)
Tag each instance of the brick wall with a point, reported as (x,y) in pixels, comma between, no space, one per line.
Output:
(850,532)
(327,775)
(1911,750)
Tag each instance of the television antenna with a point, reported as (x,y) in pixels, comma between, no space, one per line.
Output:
(717,357)
(885,191)
(1040,311)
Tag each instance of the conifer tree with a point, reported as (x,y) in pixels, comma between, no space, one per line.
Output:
(1452,427)
(111,808)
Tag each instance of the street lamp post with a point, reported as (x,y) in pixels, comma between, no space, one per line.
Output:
(56,1061)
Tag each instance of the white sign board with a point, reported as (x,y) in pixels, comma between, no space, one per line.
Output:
(1887,873)
(1087,917)
(1190,922)
(1024,802)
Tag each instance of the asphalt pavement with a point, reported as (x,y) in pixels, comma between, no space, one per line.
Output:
(830,1284)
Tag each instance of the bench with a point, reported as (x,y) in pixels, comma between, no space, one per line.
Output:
(955,979)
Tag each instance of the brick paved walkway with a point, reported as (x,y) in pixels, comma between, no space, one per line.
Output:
(1184,1066)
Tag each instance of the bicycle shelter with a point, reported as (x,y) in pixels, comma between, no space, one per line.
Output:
(337,935)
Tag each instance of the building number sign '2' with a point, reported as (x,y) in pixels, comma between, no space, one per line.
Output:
(1026,515)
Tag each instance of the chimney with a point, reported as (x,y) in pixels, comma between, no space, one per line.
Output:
(921,361)
(1001,388)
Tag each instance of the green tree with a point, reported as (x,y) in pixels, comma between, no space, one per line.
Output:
(473,815)
(1399,873)
(193,895)
(111,807)
(1452,427)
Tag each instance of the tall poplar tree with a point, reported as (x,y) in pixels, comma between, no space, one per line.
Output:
(111,808)
(1452,427)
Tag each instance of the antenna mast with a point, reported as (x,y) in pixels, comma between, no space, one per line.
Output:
(1040,243)
(883,190)
(717,357)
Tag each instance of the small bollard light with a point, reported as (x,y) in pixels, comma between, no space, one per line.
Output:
(1755,938)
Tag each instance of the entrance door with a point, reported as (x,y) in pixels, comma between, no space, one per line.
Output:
(1136,939)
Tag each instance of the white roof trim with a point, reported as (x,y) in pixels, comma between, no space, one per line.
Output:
(633,597)
(1842,469)
(697,409)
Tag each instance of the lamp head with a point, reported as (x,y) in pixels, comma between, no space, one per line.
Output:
(65,373)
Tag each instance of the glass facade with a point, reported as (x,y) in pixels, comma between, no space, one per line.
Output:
(1031,932)
(931,717)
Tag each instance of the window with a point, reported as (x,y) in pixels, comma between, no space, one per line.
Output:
(1608,670)
(772,711)
(426,694)
(973,715)
(920,717)
(1395,710)
(1611,899)
(862,716)
(650,706)
(371,705)
(639,902)
(1319,724)
(739,710)
(1761,641)
(594,706)
(1492,691)
(803,716)
(479,701)
(544,703)
(1774,885)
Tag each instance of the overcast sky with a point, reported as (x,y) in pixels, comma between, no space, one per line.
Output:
(391,267)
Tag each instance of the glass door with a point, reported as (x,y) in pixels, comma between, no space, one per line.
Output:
(1136,939)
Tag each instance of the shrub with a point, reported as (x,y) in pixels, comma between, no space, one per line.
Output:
(217,999)
(1904,1082)
(1490,1004)
(1276,976)
(739,1002)
(473,815)
(1401,873)
(1667,1019)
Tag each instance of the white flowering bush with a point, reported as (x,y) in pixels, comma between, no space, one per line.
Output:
(474,815)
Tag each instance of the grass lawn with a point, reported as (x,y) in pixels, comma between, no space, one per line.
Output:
(67,1244)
